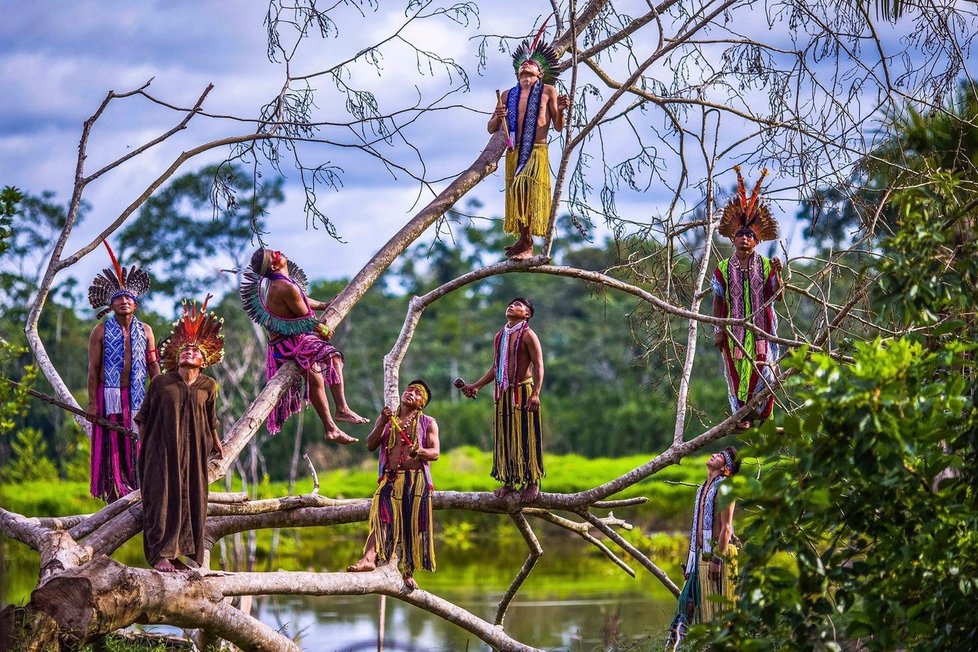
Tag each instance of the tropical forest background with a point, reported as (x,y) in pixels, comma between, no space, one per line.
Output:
(858,502)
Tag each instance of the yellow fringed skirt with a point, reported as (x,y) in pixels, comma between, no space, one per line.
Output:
(517,457)
(528,196)
(724,587)
(400,519)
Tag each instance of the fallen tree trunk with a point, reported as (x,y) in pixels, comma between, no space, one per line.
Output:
(83,604)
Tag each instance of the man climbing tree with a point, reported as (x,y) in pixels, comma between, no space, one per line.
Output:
(400,514)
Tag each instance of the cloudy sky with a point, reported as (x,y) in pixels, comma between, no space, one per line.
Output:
(58,60)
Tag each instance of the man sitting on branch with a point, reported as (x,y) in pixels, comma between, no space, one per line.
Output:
(745,287)
(400,514)
(121,356)
(517,368)
(528,109)
(273,295)
(178,429)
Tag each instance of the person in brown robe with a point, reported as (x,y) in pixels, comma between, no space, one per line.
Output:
(178,430)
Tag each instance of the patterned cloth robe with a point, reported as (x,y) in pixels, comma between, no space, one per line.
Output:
(114,454)
(748,360)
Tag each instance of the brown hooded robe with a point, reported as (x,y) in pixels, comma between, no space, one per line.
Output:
(177,423)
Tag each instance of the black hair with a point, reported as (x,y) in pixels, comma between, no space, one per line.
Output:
(735,469)
(418,381)
(256,260)
(748,230)
(526,302)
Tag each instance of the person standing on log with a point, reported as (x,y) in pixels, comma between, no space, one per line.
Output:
(711,564)
(121,356)
(178,429)
(400,514)
(529,108)
(273,295)
(517,369)
(745,286)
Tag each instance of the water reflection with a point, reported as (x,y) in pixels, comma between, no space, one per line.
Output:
(574,601)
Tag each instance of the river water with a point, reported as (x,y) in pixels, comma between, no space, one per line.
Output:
(575,599)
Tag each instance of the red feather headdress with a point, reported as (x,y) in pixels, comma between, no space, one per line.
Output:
(743,212)
(196,328)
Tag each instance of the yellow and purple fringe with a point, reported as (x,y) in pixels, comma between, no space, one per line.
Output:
(517,457)
(400,519)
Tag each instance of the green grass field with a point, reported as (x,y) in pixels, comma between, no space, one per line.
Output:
(461,469)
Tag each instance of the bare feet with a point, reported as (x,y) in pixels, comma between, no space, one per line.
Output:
(409,581)
(531,493)
(339,437)
(347,415)
(504,491)
(522,250)
(364,565)
(165,566)
(745,425)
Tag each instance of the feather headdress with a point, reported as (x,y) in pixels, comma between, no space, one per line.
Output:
(196,328)
(114,282)
(542,54)
(743,212)
(254,285)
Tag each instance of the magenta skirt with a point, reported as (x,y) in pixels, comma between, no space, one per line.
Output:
(311,353)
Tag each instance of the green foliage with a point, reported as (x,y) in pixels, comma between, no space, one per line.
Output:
(462,469)
(30,458)
(871,493)
(14,399)
(931,269)
(10,197)
(922,151)
(201,216)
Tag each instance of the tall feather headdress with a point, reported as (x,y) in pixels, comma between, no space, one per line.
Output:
(195,327)
(114,282)
(543,54)
(743,212)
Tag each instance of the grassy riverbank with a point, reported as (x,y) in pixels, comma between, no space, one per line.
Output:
(462,469)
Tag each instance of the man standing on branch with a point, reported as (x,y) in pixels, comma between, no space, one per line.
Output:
(274,296)
(528,109)
(711,564)
(121,355)
(517,368)
(400,514)
(178,429)
(745,287)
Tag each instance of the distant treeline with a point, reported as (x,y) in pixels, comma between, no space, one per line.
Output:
(611,363)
